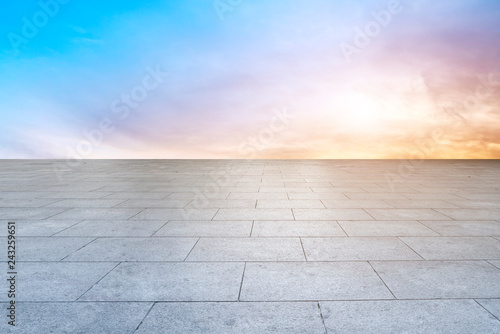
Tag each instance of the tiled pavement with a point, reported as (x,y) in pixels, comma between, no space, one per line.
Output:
(262,246)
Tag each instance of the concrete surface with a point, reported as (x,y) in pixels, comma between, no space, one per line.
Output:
(253,246)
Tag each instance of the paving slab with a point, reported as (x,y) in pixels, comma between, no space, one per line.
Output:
(247,249)
(408,316)
(169,282)
(254,214)
(291,228)
(472,228)
(355,204)
(455,248)
(30,213)
(77,318)
(154,203)
(407,214)
(57,281)
(331,214)
(292,281)
(37,228)
(135,249)
(440,279)
(113,228)
(46,248)
(205,228)
(471,214)
(86,203)
(175,214)
(388,228)
(233,317)
(425,204)
(356,249)
(96,214)
(290,204)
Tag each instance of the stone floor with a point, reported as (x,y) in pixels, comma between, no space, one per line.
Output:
(261,246)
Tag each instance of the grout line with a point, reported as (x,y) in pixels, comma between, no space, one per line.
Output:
(303,251)
(399,238)
(64,229)
(190,250)
(382,280)
(144,318)
(322,318)
(98,281)
(251,230)
(423,223)
(342,228)
(129,218)
(486,308)
(215,214)
(241,284)
(168,221)
(88,243)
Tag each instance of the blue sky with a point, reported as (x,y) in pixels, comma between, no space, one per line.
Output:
(227,77)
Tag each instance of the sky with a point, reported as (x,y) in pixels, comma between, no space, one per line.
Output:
(247,79)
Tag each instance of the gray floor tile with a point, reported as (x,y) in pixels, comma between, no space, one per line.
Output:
(57,281)
(135,249)
(222,203)
(46,248)
(374,196)
(205,228)
(247,249)
(113,228)
(247,318)
(281,281)
(262,196)
(356,204)
(30,213)
(25,203)
(291,228)
(440,279)
(154,203)
(331,214)
(137,195)
(356,249)
(407,214)
(473,228)
(390,228)
(73,194)
(85,203)
(254,214)
(290,204)
(424,204)
(77,318)
(328,196)
(471,214)
(408,316)
(455,248)
(169,282)
(97,214)
(175,214)
(37,228)
(476,204)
